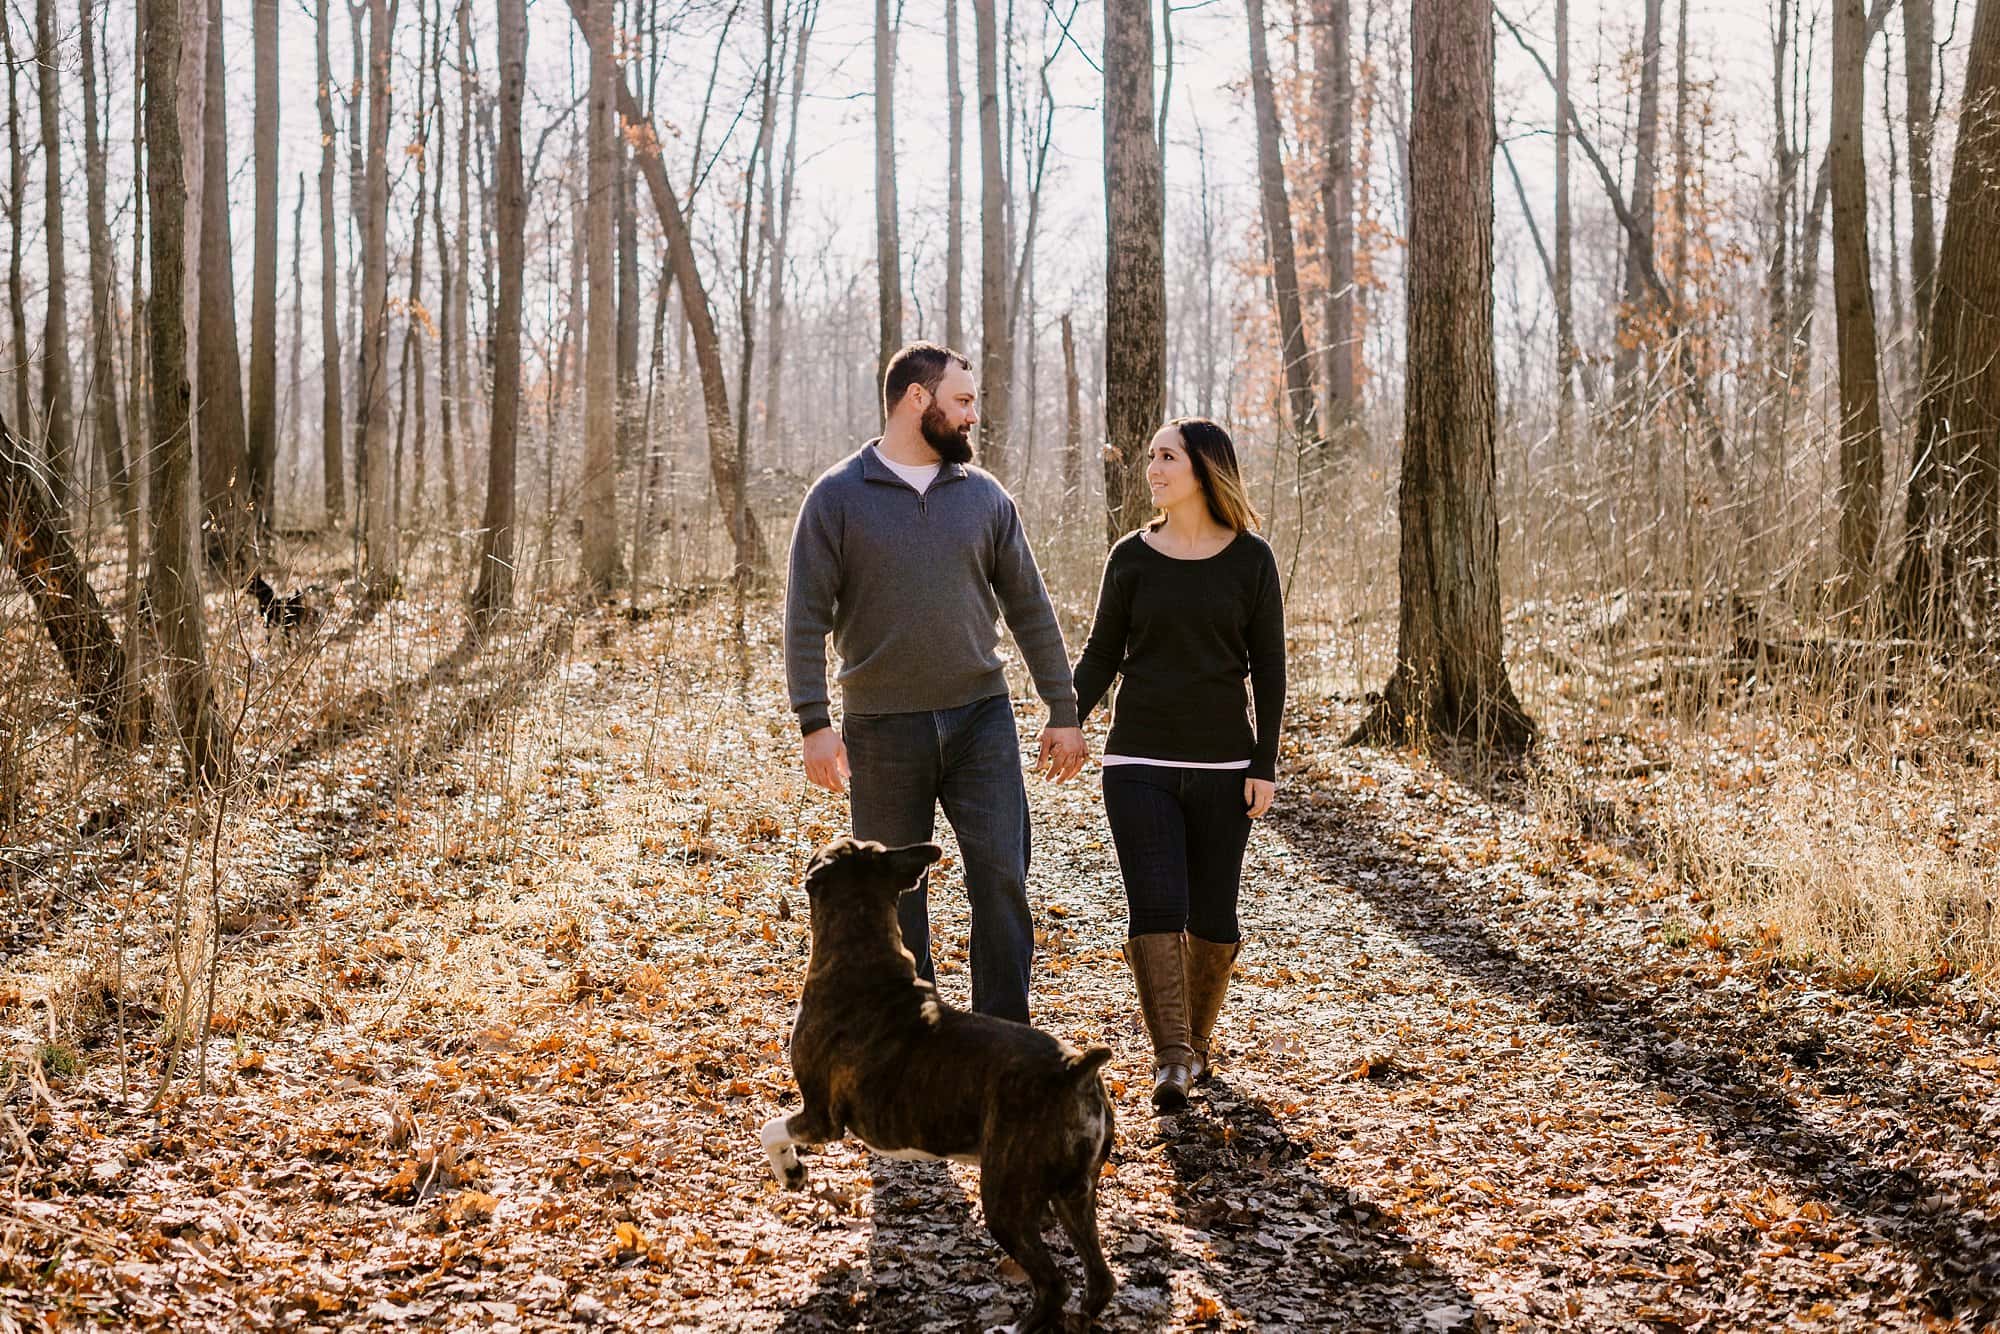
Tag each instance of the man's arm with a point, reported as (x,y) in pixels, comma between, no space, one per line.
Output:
(812,581)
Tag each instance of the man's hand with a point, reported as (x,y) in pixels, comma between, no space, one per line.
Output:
(826,760)
(1258,794)
(1062,754)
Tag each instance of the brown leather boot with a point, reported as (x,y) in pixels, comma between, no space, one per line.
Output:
(1159,971)
(1208,968)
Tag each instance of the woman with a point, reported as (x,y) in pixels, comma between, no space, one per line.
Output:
(1189,607)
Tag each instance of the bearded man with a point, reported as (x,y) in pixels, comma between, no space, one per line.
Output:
(909,556)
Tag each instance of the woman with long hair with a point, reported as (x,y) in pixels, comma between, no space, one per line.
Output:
(1190,607)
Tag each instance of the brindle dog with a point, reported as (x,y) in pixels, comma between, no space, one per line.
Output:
(877,1054)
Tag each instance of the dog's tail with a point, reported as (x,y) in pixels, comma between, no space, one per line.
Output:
(1081,1065)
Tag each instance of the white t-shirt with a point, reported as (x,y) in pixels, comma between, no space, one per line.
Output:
(919,475)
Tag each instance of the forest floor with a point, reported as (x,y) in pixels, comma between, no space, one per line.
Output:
(510,943)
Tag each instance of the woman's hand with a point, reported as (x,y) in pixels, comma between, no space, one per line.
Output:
(1258,793)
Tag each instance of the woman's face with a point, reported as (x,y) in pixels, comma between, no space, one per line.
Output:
(1169,471)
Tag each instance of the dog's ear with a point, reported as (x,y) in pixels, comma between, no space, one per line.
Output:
(910,863)
(838,851)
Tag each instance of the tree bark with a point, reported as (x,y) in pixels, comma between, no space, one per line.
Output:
(447,325)
(603,564)
(1918,34)
(103,323)
(378,534)
(1565,316)
(1860,485)
(58,407)
(16,183)
(263,416)
(776,428)
(1949,547)
(1450,678)
(996,340)
(333,484)
(954,235)
(52,575)
(219,374)
(175,584)
(1639,299)
(1135,308)
(493,590)
(1334,85)
(888,258)
(1277,214)
(1072,420)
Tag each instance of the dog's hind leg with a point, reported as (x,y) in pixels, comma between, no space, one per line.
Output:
(1015,1215)
(1077,1212)
(781,1136)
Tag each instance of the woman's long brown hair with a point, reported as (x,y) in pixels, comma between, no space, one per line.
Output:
(1213,456)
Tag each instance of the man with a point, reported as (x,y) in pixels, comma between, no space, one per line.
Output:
(909,557)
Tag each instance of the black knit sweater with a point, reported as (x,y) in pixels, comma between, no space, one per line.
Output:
(1184,634)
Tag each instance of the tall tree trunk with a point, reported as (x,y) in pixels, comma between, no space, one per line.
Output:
(263,417)
(1860,486)
(219,375)
(1334,86)
(461,314)
(175,585)
(447,320)
(1135,307)
(996,341)
(745,532)
(1565,318)
(1638,298)
(493,591)
(1918,35)
(333,483)
(411,380)
(1277,212)
(954,227)
(628,303)
(1072,464)
(58,408)
(52,575)
(888,258)
(137,388)
(295,382)
(1450,677)
(16,178)
(1949,545)
(378,527)
(603,566)
(103,323)
(776,428)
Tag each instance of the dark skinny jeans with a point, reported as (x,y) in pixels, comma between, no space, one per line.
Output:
(1180,835)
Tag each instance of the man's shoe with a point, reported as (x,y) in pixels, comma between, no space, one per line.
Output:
(1208,969)
(1159,971)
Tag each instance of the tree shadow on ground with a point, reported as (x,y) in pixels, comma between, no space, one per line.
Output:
(1668,1037)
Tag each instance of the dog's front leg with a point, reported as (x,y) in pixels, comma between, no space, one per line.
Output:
(780,1146)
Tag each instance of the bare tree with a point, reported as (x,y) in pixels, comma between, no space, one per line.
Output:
(888,260)
(1135,309)
(1292,353)
(602,564)
(1072,419)
(411,379)
(996,341)
(16,184)
(954,236)
(57,407)
(378,529)
(493,589)
(1918,25)
(1949,542)
(175,585)
(447,323)
(333,485)
(1860,487)
(1565,317)
(775,426)
(1450,678)
(1334,92)
(1638,295)
(219,371)
(262,435)
(103,324)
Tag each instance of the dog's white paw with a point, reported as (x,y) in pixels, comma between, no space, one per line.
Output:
(784,1158)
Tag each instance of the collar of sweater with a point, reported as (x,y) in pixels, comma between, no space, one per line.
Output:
(873,469)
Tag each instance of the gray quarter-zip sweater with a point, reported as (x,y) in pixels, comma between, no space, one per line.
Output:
(912,588)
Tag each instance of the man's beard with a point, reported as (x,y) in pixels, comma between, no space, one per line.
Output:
(953,446)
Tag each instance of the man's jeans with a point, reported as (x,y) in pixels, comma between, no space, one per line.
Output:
(902,765)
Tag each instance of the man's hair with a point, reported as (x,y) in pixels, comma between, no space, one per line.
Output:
(916,363)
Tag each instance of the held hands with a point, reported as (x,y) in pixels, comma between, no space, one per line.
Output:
(1258,793)
(826,760)
(1062,753)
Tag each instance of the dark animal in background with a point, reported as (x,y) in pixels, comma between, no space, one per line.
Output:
(877,1055)
(288,614)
